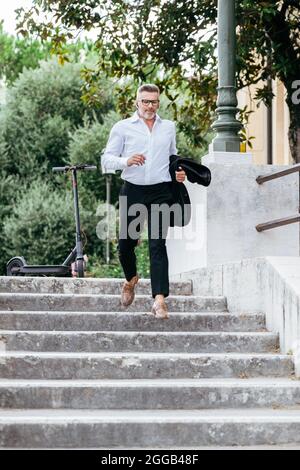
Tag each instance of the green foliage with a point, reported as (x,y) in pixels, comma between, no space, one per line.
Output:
(40,226)
(114,269)
(8,191)
(187,145)
(243,116)
(41,124)
(17,54)
(147,41)
(142,256)
(86,145)
(268,40)
(172,43)
(43,107)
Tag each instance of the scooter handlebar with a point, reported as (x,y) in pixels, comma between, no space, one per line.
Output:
(74,167)
(89,168)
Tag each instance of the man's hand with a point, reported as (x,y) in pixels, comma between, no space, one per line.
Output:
(180,175)
(137,159)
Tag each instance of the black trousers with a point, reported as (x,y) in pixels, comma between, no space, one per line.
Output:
(138,203)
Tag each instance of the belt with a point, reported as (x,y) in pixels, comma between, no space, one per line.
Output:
(147,186)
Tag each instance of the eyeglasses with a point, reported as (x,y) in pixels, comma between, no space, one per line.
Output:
(147,102)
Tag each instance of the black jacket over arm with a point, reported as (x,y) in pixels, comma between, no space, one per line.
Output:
(195,173)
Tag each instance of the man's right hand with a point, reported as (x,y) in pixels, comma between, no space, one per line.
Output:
(137,159)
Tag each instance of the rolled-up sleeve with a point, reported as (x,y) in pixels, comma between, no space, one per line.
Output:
(111,158)
(173,148)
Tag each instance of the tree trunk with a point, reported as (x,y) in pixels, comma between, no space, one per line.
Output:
(278,30)
(294,130)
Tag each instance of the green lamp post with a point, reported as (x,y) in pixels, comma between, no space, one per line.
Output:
(226,125)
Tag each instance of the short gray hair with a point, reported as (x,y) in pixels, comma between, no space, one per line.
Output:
(148,87)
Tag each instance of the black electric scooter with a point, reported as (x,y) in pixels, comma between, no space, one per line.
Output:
(17,266)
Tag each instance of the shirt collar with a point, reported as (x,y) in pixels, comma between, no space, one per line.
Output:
(136,117)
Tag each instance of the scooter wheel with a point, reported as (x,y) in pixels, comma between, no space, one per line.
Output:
(12,267)
(80,268)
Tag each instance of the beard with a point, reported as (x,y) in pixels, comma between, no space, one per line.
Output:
(148,114)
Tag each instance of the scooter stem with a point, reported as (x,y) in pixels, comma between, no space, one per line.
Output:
(79,247)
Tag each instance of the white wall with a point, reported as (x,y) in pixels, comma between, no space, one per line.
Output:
(225,215)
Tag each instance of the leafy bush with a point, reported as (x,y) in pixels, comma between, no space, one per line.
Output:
(114,269)
(42,108)
(8,185)
(86,145)
(40,226)
(17,53)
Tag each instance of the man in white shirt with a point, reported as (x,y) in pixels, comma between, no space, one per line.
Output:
(141,146)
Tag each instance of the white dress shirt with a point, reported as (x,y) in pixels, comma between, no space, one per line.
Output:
(132,136)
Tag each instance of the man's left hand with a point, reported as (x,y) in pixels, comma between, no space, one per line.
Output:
(180,175)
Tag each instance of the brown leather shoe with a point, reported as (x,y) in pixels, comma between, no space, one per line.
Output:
(160,309)
(127,295)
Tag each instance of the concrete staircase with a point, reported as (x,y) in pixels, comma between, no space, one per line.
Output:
(79,371)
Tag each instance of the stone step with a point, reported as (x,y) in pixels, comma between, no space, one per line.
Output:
(59,285)
(136,341)
(106,303)
(150,394)
(147,428)
(55,365)
(131,321)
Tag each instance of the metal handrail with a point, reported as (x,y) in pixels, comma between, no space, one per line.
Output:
(278,174)
(286,220)
(278,223)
